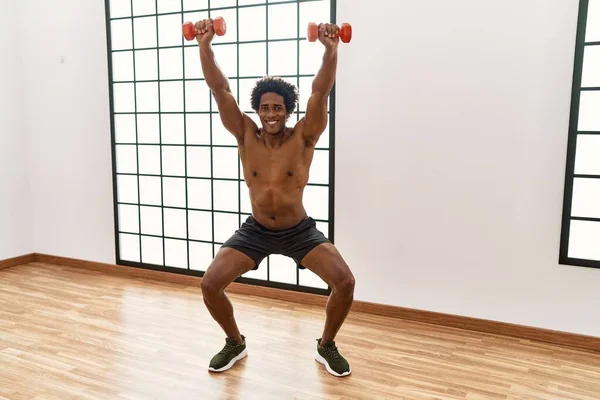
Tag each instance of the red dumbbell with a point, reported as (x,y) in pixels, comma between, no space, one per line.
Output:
(345,33)
(189,33)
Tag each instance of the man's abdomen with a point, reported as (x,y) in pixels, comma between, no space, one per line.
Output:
(277,207)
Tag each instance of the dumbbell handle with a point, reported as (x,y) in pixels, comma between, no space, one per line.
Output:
(189,31)
(345,32)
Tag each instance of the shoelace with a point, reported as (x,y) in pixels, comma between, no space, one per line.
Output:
(228,347)
(332,352)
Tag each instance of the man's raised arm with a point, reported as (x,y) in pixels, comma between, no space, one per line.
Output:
(231,115)
(315,119)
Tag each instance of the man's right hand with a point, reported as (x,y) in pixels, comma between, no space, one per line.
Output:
(204,31)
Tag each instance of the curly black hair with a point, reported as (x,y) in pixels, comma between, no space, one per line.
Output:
(277,85)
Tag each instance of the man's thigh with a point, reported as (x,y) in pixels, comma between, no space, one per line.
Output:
(327,263)
(227,266)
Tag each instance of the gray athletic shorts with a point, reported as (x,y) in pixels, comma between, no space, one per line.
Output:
(258,241)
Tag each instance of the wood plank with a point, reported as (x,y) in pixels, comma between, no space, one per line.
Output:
(76,333)
(480,325)
(583,342)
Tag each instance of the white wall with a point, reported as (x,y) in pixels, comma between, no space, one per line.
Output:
(454,118)
(457,136)
(15,199)
(68,120)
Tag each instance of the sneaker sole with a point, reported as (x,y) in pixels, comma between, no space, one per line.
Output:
(243,354)
(320,359)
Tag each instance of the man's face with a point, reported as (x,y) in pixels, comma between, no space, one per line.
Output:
(272,113)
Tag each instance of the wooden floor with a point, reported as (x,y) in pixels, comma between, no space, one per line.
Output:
(69,333)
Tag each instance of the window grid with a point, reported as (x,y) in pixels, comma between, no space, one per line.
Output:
(161,145)
(162,199)
(136,136)
(200,178)
(209,9)
(202,80)
(187,213)
(575,244)
(237,69)
(297,83)
(216,44)
(212,181)
(267,73)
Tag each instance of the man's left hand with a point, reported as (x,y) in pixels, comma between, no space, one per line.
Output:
(329,35)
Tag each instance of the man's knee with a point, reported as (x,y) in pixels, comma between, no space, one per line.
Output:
(209,286)
(345,284)
(210,283)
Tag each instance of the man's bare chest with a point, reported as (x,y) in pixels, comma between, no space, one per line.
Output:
(286,162)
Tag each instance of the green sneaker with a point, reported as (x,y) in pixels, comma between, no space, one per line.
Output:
(329,356)
(231,353)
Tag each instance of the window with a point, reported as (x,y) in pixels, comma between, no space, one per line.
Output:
(179,192)
(580,241)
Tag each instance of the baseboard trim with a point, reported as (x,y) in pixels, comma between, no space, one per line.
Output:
(588,343)
(15,261)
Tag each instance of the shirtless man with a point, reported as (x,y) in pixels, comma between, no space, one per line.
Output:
(276,161)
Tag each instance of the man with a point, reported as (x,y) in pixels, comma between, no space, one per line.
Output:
(276,162)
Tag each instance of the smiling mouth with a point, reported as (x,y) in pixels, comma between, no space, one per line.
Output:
(271,122)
